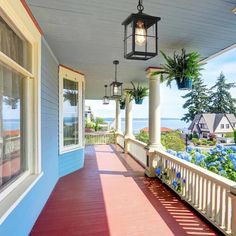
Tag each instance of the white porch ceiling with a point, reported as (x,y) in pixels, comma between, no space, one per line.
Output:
(88,36)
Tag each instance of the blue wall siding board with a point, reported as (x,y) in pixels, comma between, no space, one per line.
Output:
(70,162)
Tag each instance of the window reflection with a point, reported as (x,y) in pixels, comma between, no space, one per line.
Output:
(12,163)
(70,112)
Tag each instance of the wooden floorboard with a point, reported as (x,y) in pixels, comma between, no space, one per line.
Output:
(111,196)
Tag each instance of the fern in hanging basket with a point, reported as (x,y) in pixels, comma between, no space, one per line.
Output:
(183,67)
(138,93)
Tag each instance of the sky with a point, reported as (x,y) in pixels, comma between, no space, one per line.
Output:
(171,98)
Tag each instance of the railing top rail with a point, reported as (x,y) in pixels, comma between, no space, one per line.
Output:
(142,144)
(199,170)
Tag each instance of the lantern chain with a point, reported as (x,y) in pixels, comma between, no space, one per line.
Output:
(140,6)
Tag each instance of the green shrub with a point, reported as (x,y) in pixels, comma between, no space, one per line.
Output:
(195,140)
(170,140)
(235,136)
(229,135)
(143,136)
(195,135)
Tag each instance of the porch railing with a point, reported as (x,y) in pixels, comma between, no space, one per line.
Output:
(211,195)
(99,138)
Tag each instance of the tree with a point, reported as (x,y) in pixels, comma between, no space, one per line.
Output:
(221,99)
(197,100)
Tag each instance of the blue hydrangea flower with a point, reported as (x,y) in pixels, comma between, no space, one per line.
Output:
(158,171)
(224,153)
(220,167)
(233,148)
(222,172)
(175,183)
(178,175)
(172,152)
(184,181)
(190,148)
(198,150)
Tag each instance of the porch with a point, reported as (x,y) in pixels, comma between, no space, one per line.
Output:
(111,196)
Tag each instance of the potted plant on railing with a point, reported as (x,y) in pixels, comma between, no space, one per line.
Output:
(138,93)
(183,67)
(122,103)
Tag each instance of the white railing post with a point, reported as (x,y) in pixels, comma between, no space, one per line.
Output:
(233,220)
(128,121)
(154,120)
(118,116)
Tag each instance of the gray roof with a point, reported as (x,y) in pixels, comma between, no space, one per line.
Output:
(212,120)
(231,118)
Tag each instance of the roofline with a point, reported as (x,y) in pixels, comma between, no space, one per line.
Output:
(222,51)
(32,17)
(71,69)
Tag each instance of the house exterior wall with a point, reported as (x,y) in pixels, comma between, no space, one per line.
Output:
(224,121)
(21,220)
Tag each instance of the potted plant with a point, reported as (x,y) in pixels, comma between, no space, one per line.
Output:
(183,67)
(138,93)
(122,103)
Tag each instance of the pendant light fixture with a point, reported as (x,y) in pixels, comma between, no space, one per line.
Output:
(105,98)
(140,35)
(115,86)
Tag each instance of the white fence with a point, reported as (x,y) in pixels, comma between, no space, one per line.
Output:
(99,138)
(210,194)
(120,140)
(137,150)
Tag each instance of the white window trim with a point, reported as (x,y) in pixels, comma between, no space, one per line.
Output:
(18,19)
(65,73)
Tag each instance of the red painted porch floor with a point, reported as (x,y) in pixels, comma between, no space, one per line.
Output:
(111,197)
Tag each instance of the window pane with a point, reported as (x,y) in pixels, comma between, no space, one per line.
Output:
(12,162)
(14,46)
(70,112)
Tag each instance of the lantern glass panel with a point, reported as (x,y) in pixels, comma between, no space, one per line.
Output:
(105,100)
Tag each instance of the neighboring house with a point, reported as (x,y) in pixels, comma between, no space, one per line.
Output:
(218,124)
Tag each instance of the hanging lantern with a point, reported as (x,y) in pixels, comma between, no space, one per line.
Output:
(140,35)
(105,98)
(116,87)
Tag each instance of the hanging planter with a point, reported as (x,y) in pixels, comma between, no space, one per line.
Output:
(138,93)
(183,67)
(184,84)
(139,101)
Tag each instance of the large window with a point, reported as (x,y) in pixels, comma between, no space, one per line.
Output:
(19,145)
(71,110)
(12,160)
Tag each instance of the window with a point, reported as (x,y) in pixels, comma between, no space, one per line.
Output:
(71,109)
(227,126)
(20,46)
(13,158)
(222,126)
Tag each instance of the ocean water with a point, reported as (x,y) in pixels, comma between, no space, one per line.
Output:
(141,123)
(138,124)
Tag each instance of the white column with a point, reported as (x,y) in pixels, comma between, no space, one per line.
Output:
(118,116)
(154,111)
(128,118)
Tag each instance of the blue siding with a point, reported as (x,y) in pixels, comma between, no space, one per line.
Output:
(70,162)
(21,220)
(23,217)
